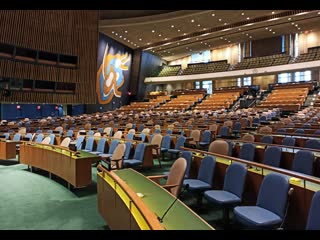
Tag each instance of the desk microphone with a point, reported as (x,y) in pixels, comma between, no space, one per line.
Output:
(186,187)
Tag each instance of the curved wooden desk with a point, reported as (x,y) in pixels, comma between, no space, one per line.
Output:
(122,208)
(72,167)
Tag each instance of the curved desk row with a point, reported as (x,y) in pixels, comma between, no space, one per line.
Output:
(122,208)
(74,167)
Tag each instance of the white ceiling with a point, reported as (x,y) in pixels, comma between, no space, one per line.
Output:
(174,34)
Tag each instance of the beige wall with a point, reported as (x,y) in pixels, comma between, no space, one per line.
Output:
(263,81)
(224,83)
(308,40)
(229,53)
(182,61)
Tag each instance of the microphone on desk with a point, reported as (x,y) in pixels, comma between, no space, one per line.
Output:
(186,187)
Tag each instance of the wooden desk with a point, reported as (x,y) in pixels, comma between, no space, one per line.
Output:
(8,149)
(76,170)
(122,209)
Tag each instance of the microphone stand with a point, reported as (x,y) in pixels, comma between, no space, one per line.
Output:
(165,213)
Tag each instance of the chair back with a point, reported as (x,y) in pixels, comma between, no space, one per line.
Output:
(187,155)
(206,136)
(79,142)
(235,178)
(46,140)
(70,133)
(108,131)
(299,130)
(180,142)
(17,137)
(247,151)
(303,162)
(176,175)
(7,135)
(273,193)
(267,139)
(219,147)
(52,138)
(97,134)
(118,154)
(39,138)
(117,134)
(289,141)
(237,126)
(272,156)
(101,145)
(139,151)
(156,140)
(146,130)
(206,170)
(89,143)
(313,222)
(248,137)
(65,142)
(130,136)
(30,136)
(313,143)
(195,134)
(113,145)
(224,131)
(265,130)
(128,150)
(166,141)
(132,131)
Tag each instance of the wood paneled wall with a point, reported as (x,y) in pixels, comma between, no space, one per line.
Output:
(70,32)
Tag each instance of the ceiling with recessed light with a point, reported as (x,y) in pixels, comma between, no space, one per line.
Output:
(175,34)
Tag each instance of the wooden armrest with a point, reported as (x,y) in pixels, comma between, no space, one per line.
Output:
(156,176)
(116,160)
(168,187)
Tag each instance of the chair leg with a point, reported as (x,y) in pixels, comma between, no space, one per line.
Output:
(226,218)
(159,159)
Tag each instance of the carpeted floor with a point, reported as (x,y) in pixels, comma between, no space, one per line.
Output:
(34,201)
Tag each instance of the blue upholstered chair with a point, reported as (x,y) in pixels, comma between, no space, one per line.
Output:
(281,130)
(237,127)
(52,138)
(180,143)
(165,145)
(137,157)
(204,179)
(272,156)
(247,152)
(7,136)
(100,147)
(128,150)
(16,137)
(205,139)
(267,139)
(158,130)
(69,133)
(317,132)
(224,132)
(312,143)
(49,131)
(303,162)
(141,127)
(142,136)
(313,222)
(90,133)
(39,138)
(129,136)
(255,122)
(112,147)
(39,131)
(187,155)
(299,130)
(231,194)
(169,131)
(29,136)
(89,144)
(289,141)
(79,142)
(269,212)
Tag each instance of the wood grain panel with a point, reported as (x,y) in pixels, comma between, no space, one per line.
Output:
(69,32)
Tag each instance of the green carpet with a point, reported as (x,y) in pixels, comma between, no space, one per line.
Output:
(31,201)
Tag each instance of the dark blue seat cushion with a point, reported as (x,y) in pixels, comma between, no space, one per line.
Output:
(196,185)
(175,151)
(222,197)
(131,162)
(256,217)
(105,155)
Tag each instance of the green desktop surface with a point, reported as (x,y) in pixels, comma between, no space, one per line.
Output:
(158,200)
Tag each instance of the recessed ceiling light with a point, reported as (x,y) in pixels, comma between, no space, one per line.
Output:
(242,13)
(221,37)
(270,30)
(273,32)
(178,43)
(135,44)
(289,19)
(178,30)
(205,43)
(186,47)
(148,43)
(204,28)
(153,31)
(239,29)
(220,19)
(116,34)
(212,14)
(197,39)
(247,34)
(140,39)
(160,35)
(225,23)
(296,25)
(250,36)
(318,12)
(124,38)
(292,23)
(131,42)
(198,25)
(209,45)
(112,31)
(267,28)
(201,42)
(126,31)
(242,32)
(225,39)
(229,41)
(192,20)
(165,38)
(128,40)
(120,36)
(299,28)
(184,34)
(172,26)
(273,12)
(248,18)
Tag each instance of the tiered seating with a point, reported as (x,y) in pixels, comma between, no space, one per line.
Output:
(169,71)
(160,99)
(288,99)
(266,61)
(313,54)
(218,101)
(155,94)
(182,102)
(198,68)
(139,106)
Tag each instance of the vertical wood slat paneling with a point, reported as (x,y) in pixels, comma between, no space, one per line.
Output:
(67,32)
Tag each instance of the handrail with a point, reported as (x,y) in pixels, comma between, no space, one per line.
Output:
(260,165)
(149,216)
